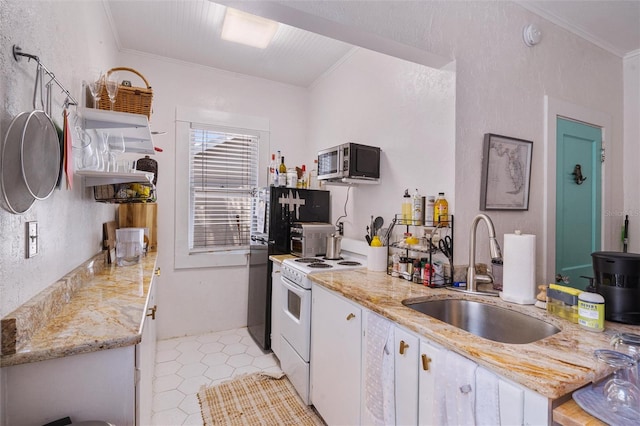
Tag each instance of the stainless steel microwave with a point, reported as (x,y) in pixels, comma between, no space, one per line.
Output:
(349,160)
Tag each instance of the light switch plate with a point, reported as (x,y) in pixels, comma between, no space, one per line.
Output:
(32,239)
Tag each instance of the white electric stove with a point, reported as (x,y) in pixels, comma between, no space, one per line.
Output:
(295,314)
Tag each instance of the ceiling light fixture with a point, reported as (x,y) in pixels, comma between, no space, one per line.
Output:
(251,30)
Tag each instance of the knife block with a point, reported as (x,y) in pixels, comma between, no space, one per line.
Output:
(140,215)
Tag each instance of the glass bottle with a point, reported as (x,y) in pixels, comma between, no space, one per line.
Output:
(302,182)
(441,210)
(273,176)
(406,206)
(282,173)
(312,179)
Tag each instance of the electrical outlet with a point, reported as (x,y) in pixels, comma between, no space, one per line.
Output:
(32,239)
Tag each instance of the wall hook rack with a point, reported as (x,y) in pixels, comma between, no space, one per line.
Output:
(18,54)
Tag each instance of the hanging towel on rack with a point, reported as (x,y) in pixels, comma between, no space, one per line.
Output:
(68,151)
(460,389)
(379,370)
(487,398)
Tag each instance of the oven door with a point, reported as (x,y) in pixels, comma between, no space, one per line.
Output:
(295,317)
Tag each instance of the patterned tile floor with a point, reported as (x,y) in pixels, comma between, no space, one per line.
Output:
(184,364)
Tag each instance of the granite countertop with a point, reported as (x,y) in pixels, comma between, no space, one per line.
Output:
(105,309)
(279,258)
(554,366)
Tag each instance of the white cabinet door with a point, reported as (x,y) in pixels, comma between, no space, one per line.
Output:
(431,359)
(336,361)
(146,360)
(406,354)
(275,309)
(92,386)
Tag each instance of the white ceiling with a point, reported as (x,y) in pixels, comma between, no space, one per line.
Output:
(189,30)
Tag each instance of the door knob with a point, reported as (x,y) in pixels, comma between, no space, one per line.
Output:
(350,317)
(403,347)
(577,174)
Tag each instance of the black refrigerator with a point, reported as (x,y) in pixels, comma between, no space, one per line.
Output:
(274,209)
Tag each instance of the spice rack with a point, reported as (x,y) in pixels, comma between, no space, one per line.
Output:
(430,249)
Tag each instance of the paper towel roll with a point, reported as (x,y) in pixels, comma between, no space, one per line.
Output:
(519,270)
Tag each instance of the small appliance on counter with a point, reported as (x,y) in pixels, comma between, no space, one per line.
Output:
(309,239)
(129,246)
(617,279)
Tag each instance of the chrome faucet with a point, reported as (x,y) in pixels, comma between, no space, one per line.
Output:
(472,278)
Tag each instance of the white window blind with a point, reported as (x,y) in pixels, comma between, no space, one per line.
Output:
(223,171)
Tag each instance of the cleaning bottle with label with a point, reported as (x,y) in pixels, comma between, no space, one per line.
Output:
(591,311)
(417,214)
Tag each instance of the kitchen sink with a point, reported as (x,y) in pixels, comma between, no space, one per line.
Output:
(484,320)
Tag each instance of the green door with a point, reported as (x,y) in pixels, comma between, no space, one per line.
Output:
(578,200)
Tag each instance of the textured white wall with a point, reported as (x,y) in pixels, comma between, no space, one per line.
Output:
(500,85)
(405,109)
(70,37)
(500,88)
(195,301)
(632,149)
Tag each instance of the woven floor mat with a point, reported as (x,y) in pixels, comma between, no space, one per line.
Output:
(255,399)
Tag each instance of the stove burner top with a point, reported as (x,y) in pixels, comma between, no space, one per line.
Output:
(309,260)
(319,265)
(349,263)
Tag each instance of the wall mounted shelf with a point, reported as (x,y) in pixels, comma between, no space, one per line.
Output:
(134,127)
(351,181)
(95,178)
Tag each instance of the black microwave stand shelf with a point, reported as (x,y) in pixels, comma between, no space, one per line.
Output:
(432,247)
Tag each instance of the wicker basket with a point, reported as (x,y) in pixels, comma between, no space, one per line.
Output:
(135,100)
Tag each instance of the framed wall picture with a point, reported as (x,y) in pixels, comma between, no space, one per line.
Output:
(506,173)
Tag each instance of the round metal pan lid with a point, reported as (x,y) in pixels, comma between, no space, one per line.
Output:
(17,197)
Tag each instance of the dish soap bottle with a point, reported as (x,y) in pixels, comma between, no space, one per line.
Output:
(441,210)
(406,206)
(591,311)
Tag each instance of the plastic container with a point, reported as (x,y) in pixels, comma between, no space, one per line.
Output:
(591,311)
(441,210)
(417,212)
(129,246)
(563,302)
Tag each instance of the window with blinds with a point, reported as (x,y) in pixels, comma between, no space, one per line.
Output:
(223,171)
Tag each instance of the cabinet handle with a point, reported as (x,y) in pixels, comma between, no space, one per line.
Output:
(403,347)
(157,271)
(350,317)
(425,362)
(153,312)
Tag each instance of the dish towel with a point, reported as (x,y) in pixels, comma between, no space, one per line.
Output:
(487,398)
(460,390)
(379,372)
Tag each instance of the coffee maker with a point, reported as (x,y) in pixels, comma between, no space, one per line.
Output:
(617,279)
